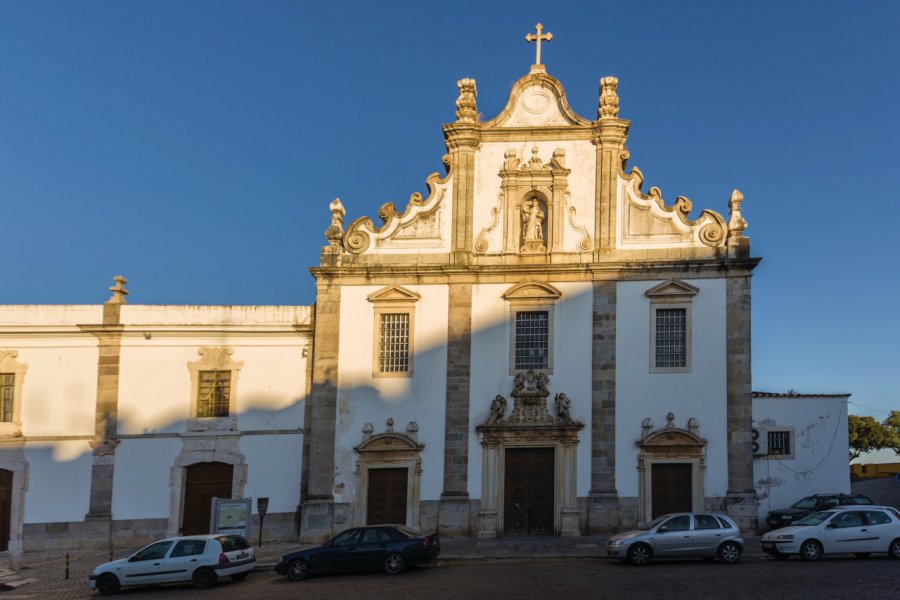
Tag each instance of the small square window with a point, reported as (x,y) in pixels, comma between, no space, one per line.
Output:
(779,443)
(671,338)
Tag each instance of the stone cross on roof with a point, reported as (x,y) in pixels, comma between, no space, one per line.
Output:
(531,37)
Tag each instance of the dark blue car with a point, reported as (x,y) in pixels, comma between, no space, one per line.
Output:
(388,547)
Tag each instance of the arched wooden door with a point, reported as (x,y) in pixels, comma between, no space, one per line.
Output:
(203,482)
(6,480)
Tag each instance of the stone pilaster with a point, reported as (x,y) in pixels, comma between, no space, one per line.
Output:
(611,155)
(462,141)
(318,505)
(454,508)
(603,503)
(741,502)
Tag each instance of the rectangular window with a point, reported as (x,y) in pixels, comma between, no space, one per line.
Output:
(779,443)
(671,337)
(393,349)
(7,389)
(532,340)
(214,394)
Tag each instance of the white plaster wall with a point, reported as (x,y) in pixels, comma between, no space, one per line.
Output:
(491,324)
(141,485)
(155,383)
(700,393)
(24,317)
(59,481)
(218,315)
(365,399)
(273,472)
(820,463)
(581,159)
(59,394)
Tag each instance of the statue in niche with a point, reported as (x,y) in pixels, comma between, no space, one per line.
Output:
(532,226)
(563,407)
(498,408)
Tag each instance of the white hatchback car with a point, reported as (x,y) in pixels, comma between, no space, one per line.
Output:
(200,559)
(859,530)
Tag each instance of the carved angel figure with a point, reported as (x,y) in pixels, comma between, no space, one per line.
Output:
(563,407)
(533,218)
(498,408)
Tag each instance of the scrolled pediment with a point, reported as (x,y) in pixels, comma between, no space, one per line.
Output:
(538,99)
(672,437)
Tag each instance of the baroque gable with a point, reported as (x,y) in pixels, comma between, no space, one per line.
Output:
(536,100)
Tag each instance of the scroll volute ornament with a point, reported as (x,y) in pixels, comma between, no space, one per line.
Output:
(466,110)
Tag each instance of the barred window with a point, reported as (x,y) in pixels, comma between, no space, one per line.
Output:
(532,340)
(213,394)
(779,443)
(7,389)
(671,335)
(393,349)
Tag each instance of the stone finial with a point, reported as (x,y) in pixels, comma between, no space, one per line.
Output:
(466,110)
(736,222)
(335,232)
(646,427)
(118,290)
(609,100)
(368,429)
(412,427)
(670,421)
(390,425)
(694,425)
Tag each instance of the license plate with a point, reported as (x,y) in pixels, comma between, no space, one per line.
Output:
(768,544)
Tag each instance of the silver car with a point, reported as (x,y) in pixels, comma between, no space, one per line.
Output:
(677,535)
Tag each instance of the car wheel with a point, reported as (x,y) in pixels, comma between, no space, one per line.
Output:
(811,550)
(729,552)
(639,554)
(240,576)
(894,549)
(394,563)
(205,578)
(298,569)
(108,584)
(862,554)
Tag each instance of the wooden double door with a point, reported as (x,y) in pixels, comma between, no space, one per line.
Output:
(386,500)
(203,482)
(671,488)
(528,504)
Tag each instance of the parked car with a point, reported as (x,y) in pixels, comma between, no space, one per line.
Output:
(859,530)
(809,505)
(388,547)
(201,559)
(678,535)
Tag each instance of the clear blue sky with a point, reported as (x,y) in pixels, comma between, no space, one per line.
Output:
(194,146)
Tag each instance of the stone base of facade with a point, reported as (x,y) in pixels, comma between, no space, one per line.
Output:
(743,507)
(317,520)
(455,516)
(607,512)
(126,535)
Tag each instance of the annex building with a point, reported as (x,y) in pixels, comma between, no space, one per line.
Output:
(541,346)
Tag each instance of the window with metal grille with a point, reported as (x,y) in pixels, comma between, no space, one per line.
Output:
(213,394)
(7,388)
(671,333)
(532,340)
(393,349)
(779,443)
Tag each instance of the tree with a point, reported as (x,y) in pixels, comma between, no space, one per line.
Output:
(867,434)
(892,423)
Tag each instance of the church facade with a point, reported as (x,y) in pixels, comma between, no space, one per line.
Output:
(541,346)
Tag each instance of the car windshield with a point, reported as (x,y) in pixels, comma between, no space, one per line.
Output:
(653,523)
(806,504)
(816,518)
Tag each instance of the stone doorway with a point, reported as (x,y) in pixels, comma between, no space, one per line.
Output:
(203,482)
(671,488)
(529,491)
(6,493)
(387,496)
